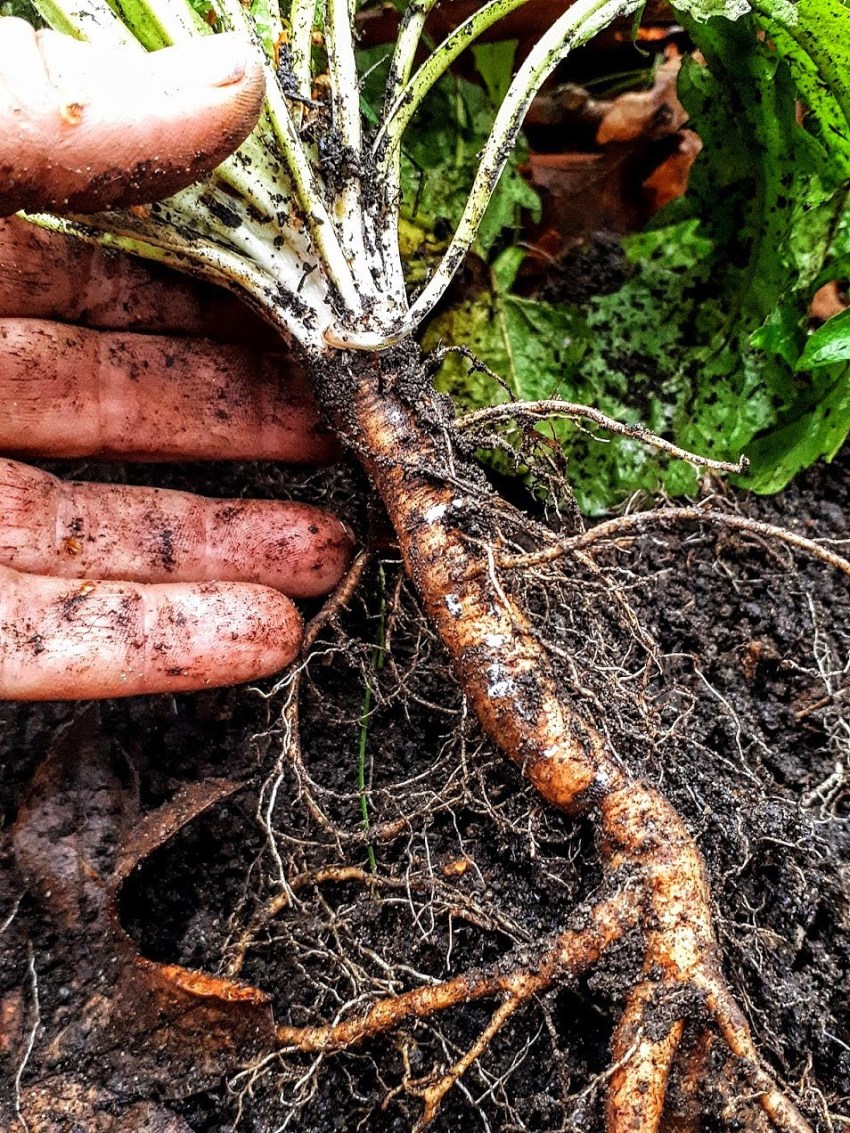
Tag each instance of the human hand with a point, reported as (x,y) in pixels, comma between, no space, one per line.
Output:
(201,599)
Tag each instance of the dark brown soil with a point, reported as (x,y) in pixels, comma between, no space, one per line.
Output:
(741,714)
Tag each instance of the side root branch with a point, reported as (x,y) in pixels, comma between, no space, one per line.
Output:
(654,875)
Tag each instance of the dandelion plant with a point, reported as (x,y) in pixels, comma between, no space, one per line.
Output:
(303,220)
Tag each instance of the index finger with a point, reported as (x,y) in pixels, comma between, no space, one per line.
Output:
(83,129)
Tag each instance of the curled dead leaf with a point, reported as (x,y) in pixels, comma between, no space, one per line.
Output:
(828,300)
(648,114)
(146,1027)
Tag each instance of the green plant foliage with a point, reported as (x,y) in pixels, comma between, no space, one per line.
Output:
(440,156)
(439,165)
(494,62)
(759,199)
(705,342)
(799,177)
(261,16)
(828,345)
(525,341)
(605,355)
(708,9)
(24,10)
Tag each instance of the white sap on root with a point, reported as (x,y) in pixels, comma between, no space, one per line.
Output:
(453,605)
(499,683)
(435,513)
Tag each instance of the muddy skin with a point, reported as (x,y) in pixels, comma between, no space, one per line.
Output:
(34,190)
(48,276)
(62,149)
(53,372)
(141,534)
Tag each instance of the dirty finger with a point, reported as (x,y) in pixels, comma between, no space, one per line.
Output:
(46,275)
(86,129)
(111,531)
(73,392)
(63,640)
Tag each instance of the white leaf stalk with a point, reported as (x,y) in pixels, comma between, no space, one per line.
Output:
(303,219)
(301,16)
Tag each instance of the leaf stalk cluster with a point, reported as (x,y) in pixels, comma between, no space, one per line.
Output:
(304,218)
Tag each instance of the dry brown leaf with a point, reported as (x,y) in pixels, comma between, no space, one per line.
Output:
(585,193)
(669,180)
(828,300)
(642,164)
(150,831)
(648,114)
(145,1026)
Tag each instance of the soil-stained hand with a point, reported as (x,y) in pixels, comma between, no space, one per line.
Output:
(109,590)
(83,129)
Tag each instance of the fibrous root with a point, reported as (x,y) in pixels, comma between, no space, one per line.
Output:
(654,875)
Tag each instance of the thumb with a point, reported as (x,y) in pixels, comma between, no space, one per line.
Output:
(83,129)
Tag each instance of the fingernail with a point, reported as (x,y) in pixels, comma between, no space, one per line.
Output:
(220,60)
